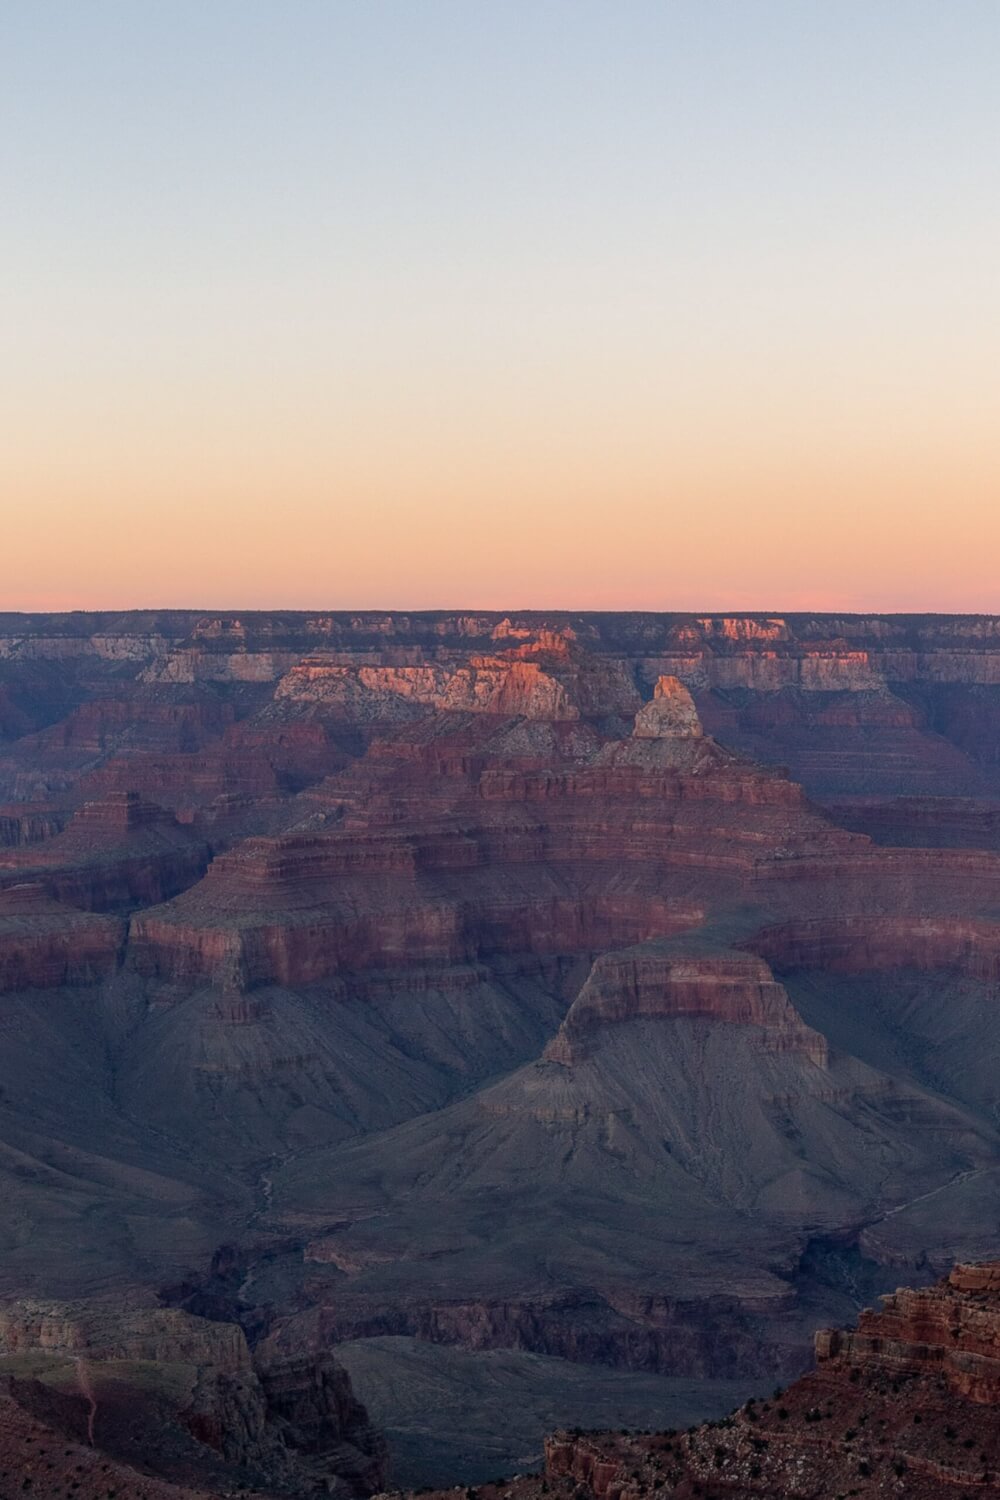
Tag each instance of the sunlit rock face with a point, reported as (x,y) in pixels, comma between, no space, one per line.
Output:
(671,713)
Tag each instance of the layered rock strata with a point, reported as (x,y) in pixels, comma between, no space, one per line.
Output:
(904,1405)
(44,944)
(118,852)
(492,979)
(728,988)
(170,1398)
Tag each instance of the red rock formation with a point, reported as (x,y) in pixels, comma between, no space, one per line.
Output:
(547,678)
(161,1396)
(103,724)
(22,823)
(735,989)
(474,872)
(670,713)
(846,701)
(118,852)
(906,1405)
(863,944)
(937,822)
(302,908)
(401,801)
(184,783)
(44,944)
(949,1333)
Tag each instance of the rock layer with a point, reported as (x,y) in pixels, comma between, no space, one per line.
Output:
(905,1405)
(734,989)
(495,980)
(164,1397)
(44,944)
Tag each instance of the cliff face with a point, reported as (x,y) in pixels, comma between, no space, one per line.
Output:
(465,836)
(905,1405)
(547,678)
(864,944)
(948,1334)
(731,989)
(44,944)
(864,705)
(42,1454)
(167,1399)
(118,852)
(26,825)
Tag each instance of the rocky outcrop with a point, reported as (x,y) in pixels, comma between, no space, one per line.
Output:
(671,713)
(905,1405)
(864,944)
(117,852)
(548,678)
(107,1332)
(310,1404)
(44,944)
(45,1451)
(288,1425)
(29,825)
(667,982)
(948,1333)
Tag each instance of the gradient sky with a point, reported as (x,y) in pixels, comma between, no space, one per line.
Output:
(656,304)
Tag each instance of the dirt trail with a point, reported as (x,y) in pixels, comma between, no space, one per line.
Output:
(933,1192)
(87,1391)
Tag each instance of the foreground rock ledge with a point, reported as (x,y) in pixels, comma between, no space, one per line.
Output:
(907,1404)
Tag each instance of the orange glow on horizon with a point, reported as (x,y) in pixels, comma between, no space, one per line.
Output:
(568,306)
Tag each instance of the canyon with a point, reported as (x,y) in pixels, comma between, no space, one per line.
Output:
(395,1005)
(905,1404)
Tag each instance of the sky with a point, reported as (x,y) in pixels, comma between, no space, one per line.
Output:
(611,304)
